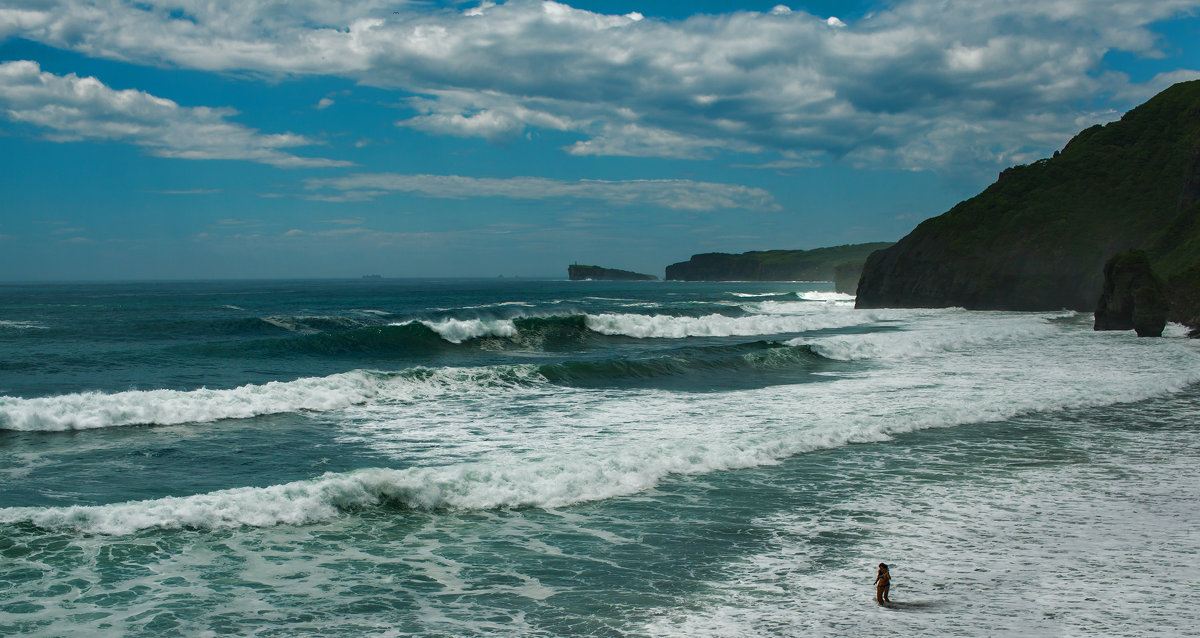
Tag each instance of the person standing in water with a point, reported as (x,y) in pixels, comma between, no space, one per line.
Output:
(883,582)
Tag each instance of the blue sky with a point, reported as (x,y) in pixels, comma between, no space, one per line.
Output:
(189,139)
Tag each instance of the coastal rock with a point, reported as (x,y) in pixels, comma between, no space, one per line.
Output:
(579,273)
(1133,297)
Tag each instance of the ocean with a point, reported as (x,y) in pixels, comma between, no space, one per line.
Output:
(519,457)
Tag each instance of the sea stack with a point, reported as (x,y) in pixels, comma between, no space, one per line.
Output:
(1133,297)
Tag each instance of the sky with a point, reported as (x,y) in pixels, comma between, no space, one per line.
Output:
(212,139)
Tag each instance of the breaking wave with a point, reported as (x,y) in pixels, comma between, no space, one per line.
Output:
(550,333)
(585,474)
(814,295)
(92,410)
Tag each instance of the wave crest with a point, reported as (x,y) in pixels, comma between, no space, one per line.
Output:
(90,410)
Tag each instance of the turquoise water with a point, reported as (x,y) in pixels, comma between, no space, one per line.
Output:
(479,458)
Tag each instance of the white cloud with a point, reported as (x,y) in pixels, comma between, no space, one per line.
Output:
(74,108)
(788,161)
(923,84)
(492,125)
(676,194)
(480,10)
(1137,93)
(324,104)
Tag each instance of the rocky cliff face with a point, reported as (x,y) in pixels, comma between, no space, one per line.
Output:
(1039,237)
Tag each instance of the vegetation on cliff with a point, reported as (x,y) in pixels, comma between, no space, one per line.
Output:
(1038,238)
(772,265)
(577,273)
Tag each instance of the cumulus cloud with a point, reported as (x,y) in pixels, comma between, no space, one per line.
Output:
(73,108)
(676,194)
(922,84)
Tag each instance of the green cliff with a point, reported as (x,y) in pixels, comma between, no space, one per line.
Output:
(819,264)
(1039,237)
(578,273)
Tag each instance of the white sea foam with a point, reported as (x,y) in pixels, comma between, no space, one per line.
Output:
(795,308)
(801,317)
(21,325)
(571,445)
(926,337)
(511,482)
(1089,547)
(460,330)
(814,295)
(753,295)
(89,410)
(674,327)
(500,304)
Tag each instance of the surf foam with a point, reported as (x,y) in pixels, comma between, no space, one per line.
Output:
(91,410)
(568,446)
(814,295)
(714,325)
(21,325)
(460,330)
(927,337)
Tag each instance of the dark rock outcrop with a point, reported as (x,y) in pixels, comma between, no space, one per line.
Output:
(771,265)
(1133,297)
(578,273)
(1039,237)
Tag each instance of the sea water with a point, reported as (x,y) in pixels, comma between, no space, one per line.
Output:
(553,458)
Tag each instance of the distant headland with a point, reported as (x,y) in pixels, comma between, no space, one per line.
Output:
(839,264)
(577,272)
